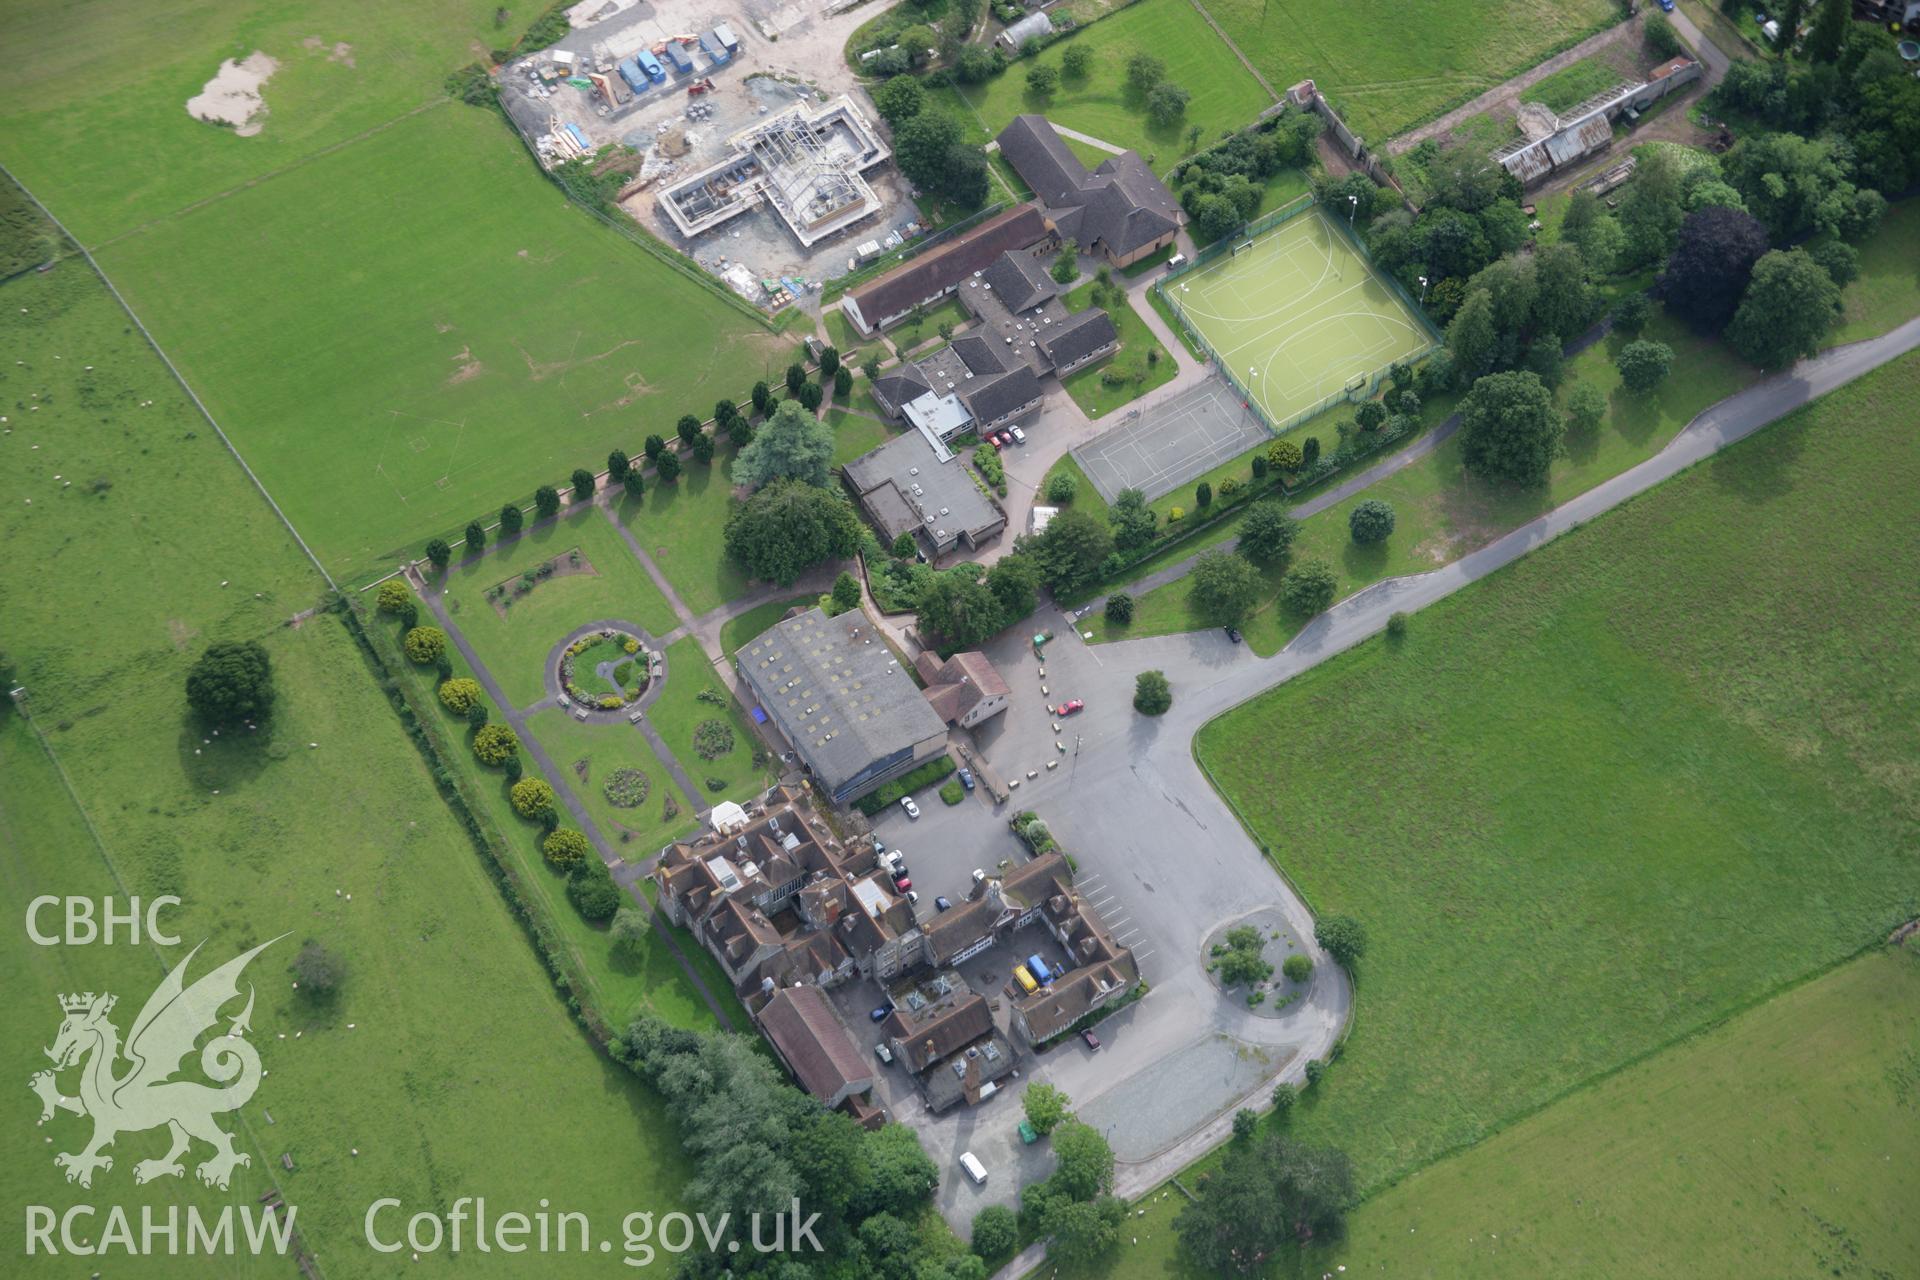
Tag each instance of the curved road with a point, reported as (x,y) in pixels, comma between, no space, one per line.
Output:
(1133,784)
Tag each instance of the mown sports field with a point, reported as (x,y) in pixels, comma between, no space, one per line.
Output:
(1297,315)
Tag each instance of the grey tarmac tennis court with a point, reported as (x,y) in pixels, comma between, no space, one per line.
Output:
(1162,448)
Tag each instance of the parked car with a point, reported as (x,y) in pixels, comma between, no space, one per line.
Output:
(880,1014)
(913,810)
(943,903)
(1233,634)
(913,897)
(896,860)
(1072,705)
(1019,436)
(1667,5)
(883,1053)
(902,881)
(1093,1041)
(1006,439)
(975,1170)
(966,778)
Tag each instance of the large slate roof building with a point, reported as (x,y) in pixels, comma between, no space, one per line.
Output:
(836,692)
(1119,211)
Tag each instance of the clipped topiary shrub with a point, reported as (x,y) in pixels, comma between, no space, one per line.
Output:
(425,646)
(461,695)
(566,848)
(592,890)
(531,797)
(392,595)
(495,744)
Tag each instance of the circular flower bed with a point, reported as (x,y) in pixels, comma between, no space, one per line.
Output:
(607,670)
(627,788)
(712,739)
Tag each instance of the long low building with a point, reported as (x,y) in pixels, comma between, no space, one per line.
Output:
(837,693)
(925,280)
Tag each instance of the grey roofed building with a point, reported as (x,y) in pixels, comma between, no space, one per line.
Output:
(926,279)
(899,386)
(839,696)
(978,354)
(1119,210)
(1083,336)
(1003,399)
(905,487)
(1020,281)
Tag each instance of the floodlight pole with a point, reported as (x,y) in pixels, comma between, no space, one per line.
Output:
(1423,291)
(1353,207)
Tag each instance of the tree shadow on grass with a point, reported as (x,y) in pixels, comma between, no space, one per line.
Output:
(1363,564)
(1761,470)
(227,759)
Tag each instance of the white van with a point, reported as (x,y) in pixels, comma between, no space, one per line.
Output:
(1177,261)
(975,1170)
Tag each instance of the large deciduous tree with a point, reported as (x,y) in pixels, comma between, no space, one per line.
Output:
(790,526)
(1711,263)
(1224,587)
(1267,532)
(231,683)
(1790,306)
(1265,1195)
(1509,428)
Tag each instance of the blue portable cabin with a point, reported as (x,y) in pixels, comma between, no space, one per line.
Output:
(724,34)
(651,65)
(677,54)
(714,49)
(636,78)
(1038,968)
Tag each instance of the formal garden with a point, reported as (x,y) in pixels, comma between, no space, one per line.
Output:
(606,670)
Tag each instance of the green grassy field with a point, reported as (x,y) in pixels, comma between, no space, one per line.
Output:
(1645,776)
(146,158)
(1771,1145)
(111,588)
(607,584)
(1141,358)
(405,333)
(1442,511)
(1225,96)
(1386,67)
(854,434)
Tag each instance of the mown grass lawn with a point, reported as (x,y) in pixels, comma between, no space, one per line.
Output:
(1141,361)
(854,434)
(1387,67)
(112,588)
(683,527)
(682,708)
(742,628)
(607,583)
(1442,511)
(1572,84)
(911,332)
(1224,97)
(1888,288)
(407,332)
(1643,777)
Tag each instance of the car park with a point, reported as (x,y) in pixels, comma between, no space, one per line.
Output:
(913,810)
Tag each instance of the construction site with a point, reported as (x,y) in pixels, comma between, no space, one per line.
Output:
(806,164)
(733,132)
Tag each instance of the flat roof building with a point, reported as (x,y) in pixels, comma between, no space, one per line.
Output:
(908,485)
(837,693)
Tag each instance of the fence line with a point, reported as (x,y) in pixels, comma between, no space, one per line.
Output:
(1260,226)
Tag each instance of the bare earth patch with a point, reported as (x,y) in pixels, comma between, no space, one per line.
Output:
(232,97)
(469,367)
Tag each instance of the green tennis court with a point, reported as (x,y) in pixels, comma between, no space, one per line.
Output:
(1297,315)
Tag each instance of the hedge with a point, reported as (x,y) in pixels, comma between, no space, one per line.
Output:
(905,785)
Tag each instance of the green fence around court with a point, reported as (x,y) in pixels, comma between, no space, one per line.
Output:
(1252,230)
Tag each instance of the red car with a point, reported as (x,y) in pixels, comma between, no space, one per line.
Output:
(902,883)
(1070,706)
(1093,1041)
(1004,439)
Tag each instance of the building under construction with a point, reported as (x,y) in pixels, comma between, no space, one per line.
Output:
(806,163)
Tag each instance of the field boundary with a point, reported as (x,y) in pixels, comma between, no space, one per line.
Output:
(178,377)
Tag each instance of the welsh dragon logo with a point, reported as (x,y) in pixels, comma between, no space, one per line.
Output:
(146,1095)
